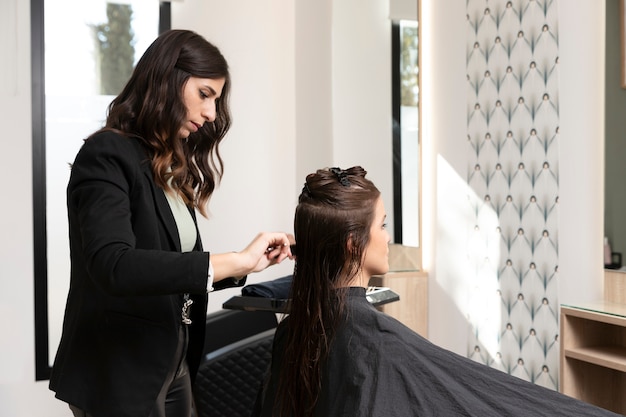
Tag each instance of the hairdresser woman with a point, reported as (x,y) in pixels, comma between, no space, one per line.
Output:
(133,331)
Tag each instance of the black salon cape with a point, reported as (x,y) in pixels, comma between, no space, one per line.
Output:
(380,368)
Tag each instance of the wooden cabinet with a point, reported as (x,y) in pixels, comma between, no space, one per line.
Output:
(593,354)
(412,308)
(614,286)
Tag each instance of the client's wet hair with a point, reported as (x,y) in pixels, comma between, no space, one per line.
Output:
(332,227)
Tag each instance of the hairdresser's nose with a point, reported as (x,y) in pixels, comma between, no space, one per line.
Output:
(209,111)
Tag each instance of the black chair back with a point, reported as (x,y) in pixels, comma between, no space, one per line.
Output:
(230,378)
(224,327)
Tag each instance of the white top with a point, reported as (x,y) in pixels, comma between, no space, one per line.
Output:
(187,232)
(184,222)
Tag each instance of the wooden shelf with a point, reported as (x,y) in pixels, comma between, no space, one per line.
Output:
(593,354)
(613,357)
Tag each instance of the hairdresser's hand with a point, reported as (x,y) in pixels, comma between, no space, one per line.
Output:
(268,249)
(265,250)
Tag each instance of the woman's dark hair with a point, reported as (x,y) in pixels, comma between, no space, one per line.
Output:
(332,229)
(151,108)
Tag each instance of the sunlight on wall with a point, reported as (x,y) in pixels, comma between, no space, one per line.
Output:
(476,254)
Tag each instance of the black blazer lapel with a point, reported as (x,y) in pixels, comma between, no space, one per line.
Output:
(198,246)
(164,212)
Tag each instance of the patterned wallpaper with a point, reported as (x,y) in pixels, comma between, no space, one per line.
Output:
(513,130)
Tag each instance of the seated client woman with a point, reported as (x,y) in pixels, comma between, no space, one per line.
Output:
(336,355)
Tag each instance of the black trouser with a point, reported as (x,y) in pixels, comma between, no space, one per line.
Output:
(175,398)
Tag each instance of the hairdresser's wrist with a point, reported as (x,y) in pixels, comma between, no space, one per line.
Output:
(229,265)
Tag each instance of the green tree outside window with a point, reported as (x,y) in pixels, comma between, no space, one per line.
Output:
(115,48)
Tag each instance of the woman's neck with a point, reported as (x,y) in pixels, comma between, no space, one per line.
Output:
(360,280)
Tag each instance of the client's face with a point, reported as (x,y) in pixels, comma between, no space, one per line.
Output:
(376,258)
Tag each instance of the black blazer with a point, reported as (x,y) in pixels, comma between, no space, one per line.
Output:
(128,278)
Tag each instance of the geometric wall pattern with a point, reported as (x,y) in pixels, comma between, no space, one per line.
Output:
(513,131)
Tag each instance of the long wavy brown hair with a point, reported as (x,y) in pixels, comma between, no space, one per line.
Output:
(332,229)
(151,108)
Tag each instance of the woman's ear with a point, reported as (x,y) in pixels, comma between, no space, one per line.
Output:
(352,247)
(350,243)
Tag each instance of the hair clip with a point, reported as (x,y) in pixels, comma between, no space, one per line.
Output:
(342,176)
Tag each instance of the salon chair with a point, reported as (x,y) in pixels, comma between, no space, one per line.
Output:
(237,355)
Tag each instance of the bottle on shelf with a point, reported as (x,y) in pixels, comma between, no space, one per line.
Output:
(607,252)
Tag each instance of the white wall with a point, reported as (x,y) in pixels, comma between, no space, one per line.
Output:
(309,91)
(444,161)
(581,157)
(362,119)
(258,189)
(262,155)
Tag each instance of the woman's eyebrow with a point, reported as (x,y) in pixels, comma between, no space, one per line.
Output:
(208,87)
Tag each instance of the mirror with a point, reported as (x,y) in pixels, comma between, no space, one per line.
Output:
(615,143)
(406,149)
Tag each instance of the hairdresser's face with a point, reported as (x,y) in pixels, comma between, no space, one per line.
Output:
(376,257)
(200,96)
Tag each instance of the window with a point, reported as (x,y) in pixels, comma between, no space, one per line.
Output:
(76,72)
